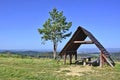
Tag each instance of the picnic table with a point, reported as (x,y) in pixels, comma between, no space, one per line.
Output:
(84,60)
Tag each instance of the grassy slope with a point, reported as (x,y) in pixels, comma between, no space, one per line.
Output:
(46,69)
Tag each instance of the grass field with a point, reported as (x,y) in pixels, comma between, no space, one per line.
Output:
(48,69)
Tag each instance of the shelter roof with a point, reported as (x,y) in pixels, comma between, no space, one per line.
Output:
(78,38)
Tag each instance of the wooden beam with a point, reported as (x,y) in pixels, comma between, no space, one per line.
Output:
(70,51)
(84,42)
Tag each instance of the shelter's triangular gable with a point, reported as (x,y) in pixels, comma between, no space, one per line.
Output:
(80,35)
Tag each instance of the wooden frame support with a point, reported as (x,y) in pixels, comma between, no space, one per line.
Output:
(107,61)
(103,59)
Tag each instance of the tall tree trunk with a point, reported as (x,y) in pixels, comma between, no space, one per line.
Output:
(54,50)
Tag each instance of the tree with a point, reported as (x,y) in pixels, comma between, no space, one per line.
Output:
(55,28)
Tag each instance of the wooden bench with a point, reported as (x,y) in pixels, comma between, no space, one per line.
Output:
(94,62)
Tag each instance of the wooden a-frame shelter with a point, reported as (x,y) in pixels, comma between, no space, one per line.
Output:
(77,40)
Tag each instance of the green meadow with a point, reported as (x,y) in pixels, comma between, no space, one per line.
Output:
(17,68)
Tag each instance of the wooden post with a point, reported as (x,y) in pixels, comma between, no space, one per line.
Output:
(75,55)
(70,58)
(101,59)
(65,56)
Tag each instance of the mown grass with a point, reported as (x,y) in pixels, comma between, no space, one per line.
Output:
(46,69)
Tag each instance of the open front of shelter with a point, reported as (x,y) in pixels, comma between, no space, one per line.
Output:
(77,40)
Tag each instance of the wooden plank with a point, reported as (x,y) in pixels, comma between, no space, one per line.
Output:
(84,42)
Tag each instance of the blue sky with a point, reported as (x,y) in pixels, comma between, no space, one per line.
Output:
(20,19)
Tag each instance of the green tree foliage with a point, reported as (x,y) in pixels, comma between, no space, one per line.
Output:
(55,29)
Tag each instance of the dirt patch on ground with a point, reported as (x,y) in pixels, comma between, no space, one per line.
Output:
(76,70)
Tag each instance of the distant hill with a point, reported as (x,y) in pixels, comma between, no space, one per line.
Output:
(92,50)
(36,52)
